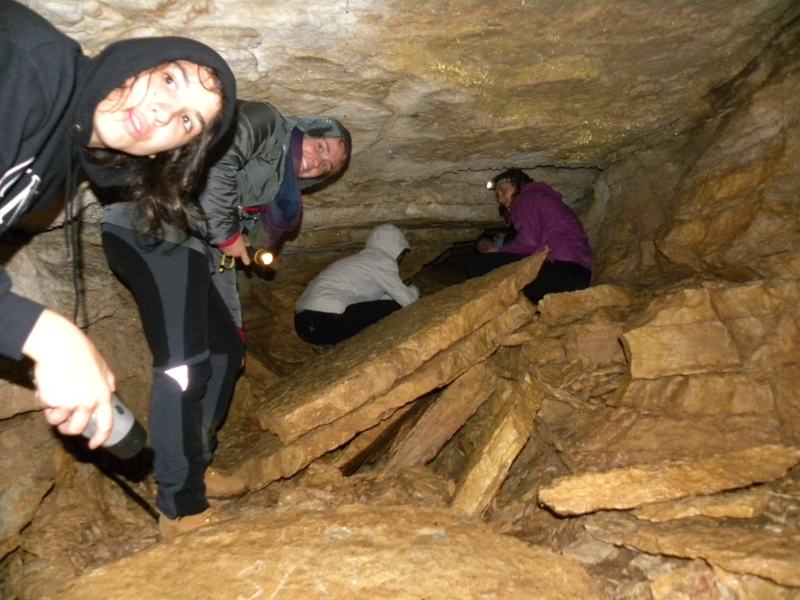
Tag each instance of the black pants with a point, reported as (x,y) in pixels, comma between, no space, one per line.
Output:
(554,276)
(197,355)
(321,328)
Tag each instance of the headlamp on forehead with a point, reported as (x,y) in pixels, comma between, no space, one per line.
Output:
(516,177)
(493,185)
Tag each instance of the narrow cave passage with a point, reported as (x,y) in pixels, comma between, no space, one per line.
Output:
(637,439)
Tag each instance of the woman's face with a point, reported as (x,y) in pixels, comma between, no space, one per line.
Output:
(160,109)
(505,193)
(321,156)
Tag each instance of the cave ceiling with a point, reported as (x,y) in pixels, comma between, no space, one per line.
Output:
(439,95)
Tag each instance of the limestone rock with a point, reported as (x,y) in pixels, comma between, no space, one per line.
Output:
(322,486)
(642,484)
(699,580)
(590,551)
(380,553)
(621,437)
(735,211)
(28,452)
(505,436)
(9,544)
(735,548)
(592,343)
(750,587)
(702,394)
(370,363)
(744,504)
(265,460)
(717,328)
(683,337)
(86,520)
(16,400)
(565,307)
(685,583)
(351,456)
(732,212)
(442,419)
(786,393)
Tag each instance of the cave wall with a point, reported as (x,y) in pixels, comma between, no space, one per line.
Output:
(672,130)
(720,198)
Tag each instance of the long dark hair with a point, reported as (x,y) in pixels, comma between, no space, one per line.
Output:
(164,186)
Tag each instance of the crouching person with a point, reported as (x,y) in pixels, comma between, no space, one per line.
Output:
(539,220)
(355,292)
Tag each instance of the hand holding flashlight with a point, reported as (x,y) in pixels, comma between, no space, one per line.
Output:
(236,249)
(262,257)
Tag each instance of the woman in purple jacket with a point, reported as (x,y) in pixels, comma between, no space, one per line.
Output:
(540,220)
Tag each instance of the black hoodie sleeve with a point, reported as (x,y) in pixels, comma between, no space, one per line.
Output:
(38,70)
(18,315)
(36,74)
(24,108)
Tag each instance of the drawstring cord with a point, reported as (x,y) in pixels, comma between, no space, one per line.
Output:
(73,242)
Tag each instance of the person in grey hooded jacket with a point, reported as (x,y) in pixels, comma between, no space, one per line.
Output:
(355,292)
(256,188)
(254,195)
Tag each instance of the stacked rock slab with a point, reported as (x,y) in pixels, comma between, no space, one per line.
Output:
(700,438)
(389,365)
(515,406)
(736,548)
(710,371)
(636,485)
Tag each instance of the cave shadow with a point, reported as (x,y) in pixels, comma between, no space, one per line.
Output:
(123,472)
(450,267)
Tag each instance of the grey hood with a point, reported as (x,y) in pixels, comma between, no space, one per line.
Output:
(322,127)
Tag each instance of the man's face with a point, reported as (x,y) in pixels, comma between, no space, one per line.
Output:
(321,156)
(504,192)
(156,111)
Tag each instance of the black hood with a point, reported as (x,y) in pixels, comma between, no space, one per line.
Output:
(121,60)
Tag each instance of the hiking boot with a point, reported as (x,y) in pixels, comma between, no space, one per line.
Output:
(221,485)
(172,528)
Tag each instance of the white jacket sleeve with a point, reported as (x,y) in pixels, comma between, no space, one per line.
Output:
(388,277)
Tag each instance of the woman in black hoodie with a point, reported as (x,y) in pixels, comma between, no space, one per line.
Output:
(140,117)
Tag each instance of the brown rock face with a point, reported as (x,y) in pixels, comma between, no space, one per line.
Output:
(644,484)
(665,398)
(734,548)
(350,552)
(370,366)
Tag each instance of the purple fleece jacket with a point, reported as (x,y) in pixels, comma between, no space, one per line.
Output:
(541,220)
